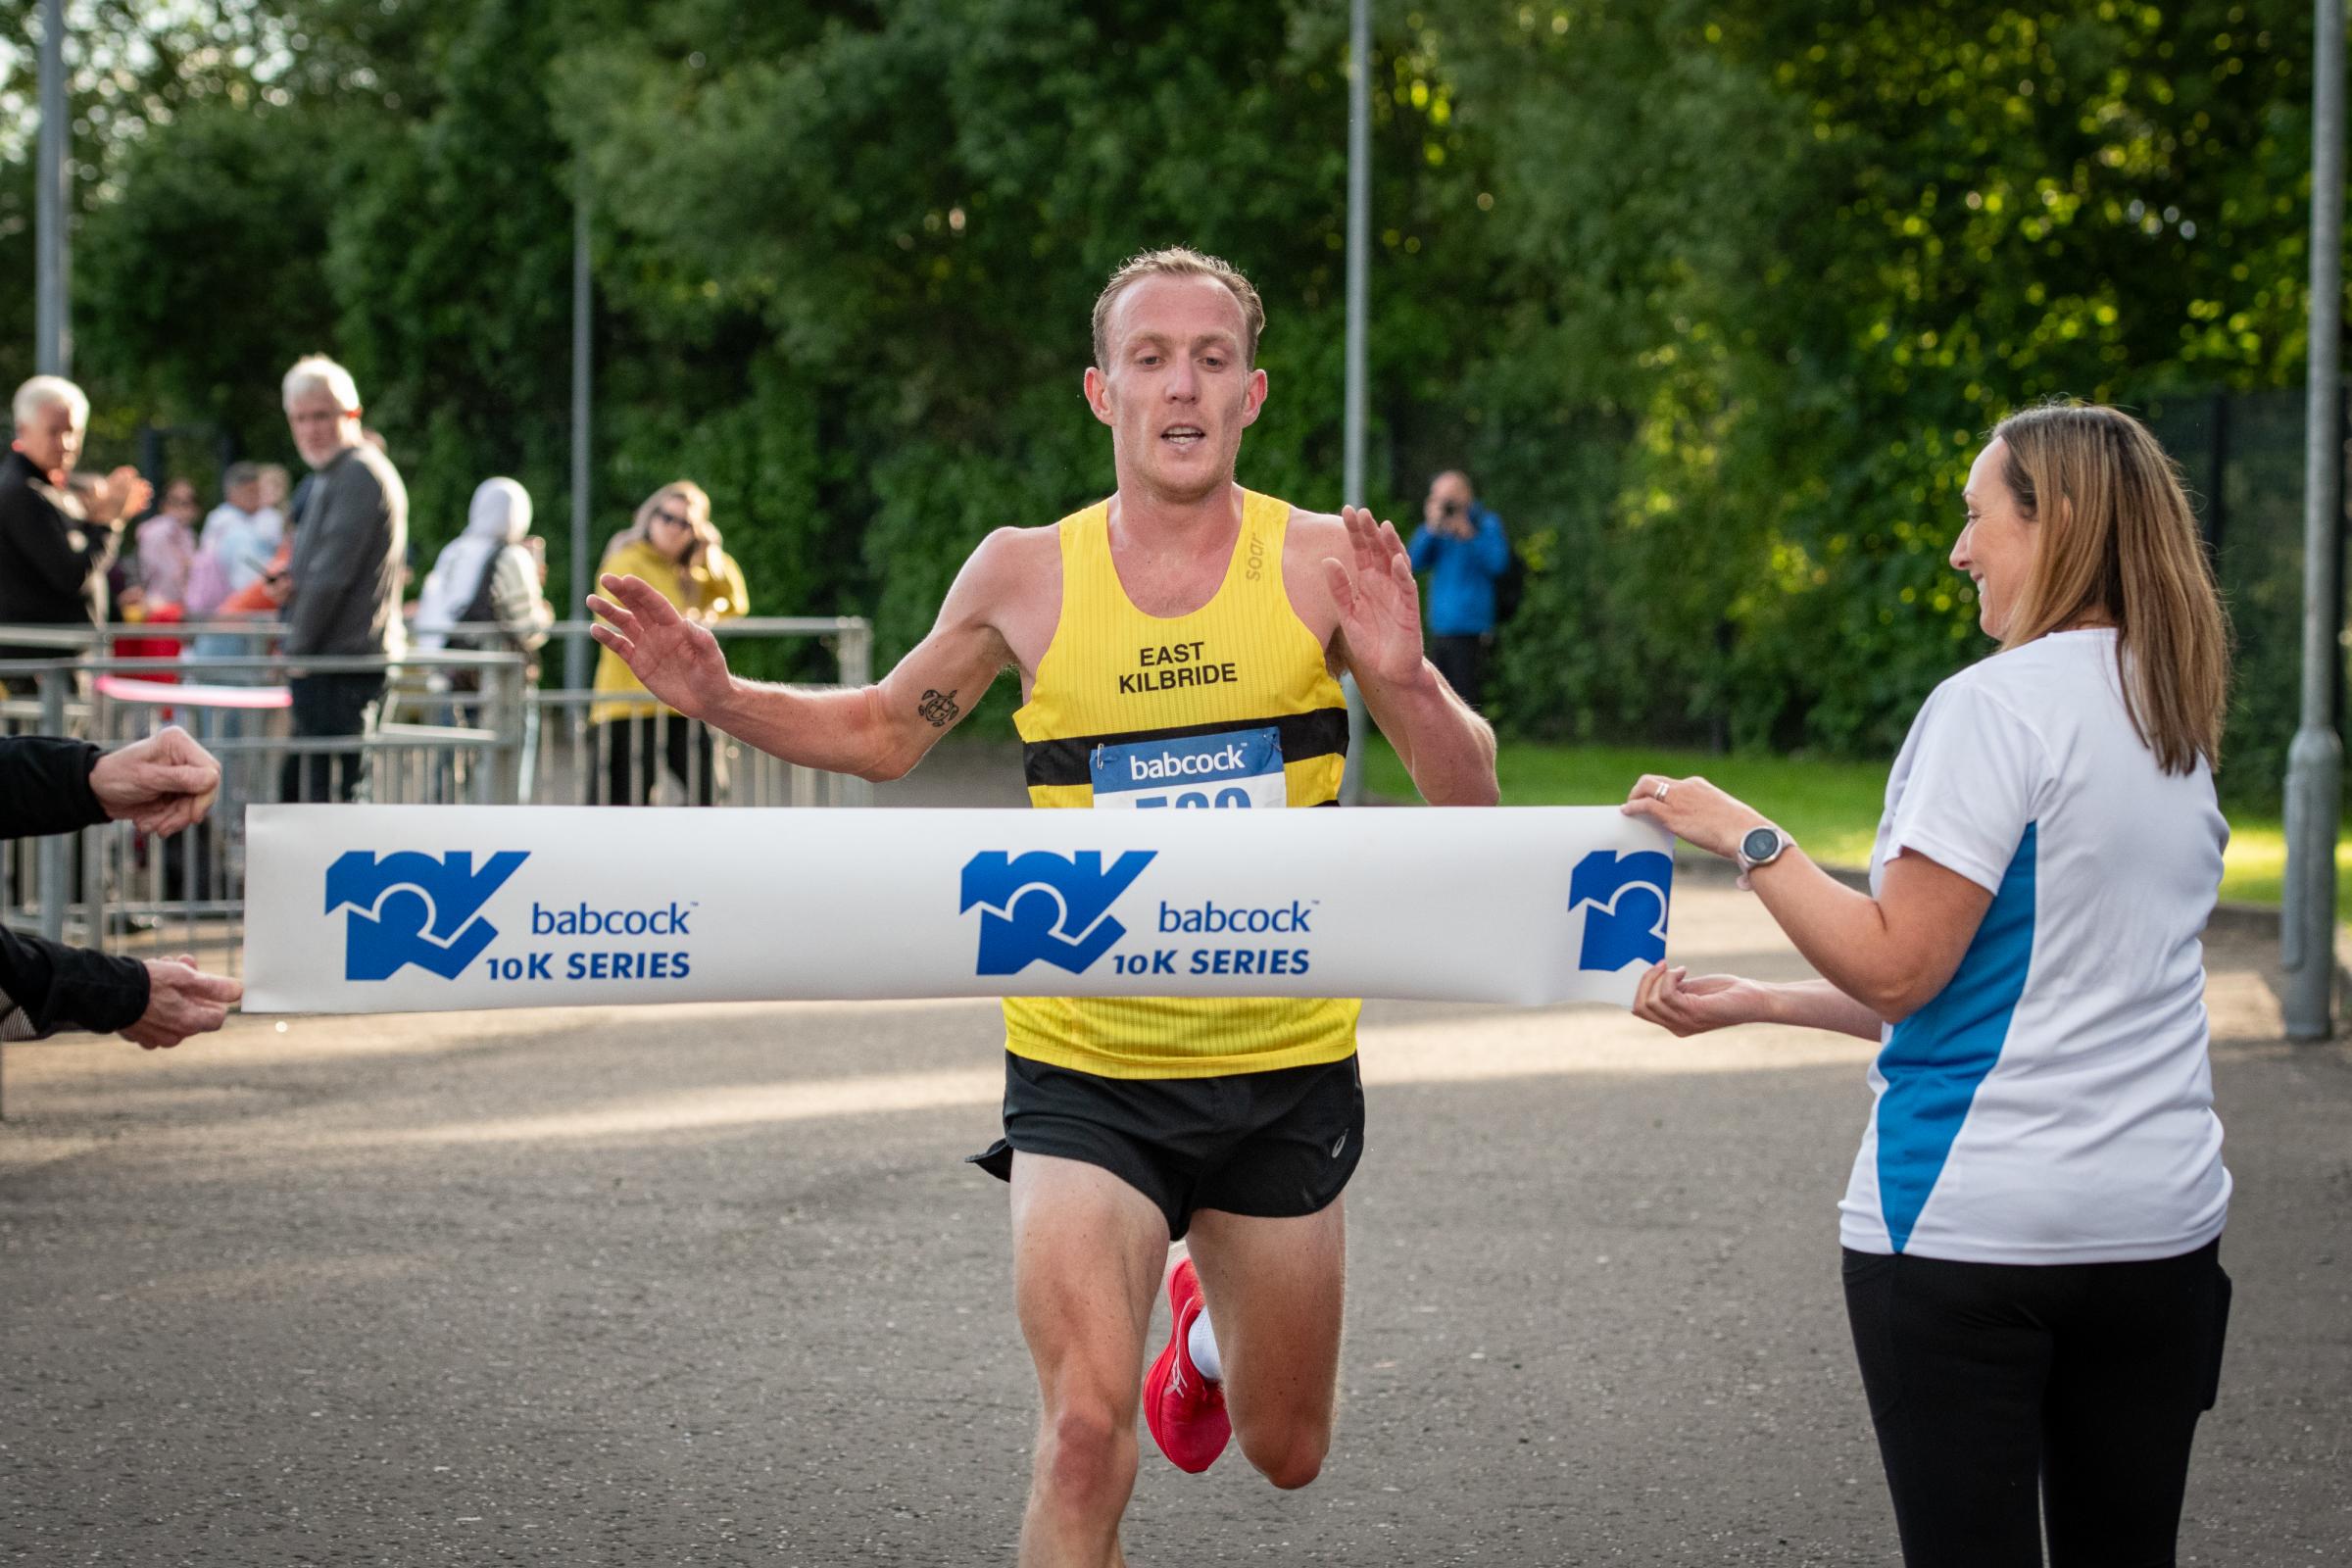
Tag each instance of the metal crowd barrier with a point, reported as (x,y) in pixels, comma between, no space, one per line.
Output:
(618,749)
(454,725)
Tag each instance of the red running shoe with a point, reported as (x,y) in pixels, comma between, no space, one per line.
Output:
(1185,1411)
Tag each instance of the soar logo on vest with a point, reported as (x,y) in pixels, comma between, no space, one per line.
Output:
(1624,899)
(410,907)
(1046,908)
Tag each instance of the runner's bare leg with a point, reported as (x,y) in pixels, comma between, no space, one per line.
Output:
(1276,1289)
(1088,1251)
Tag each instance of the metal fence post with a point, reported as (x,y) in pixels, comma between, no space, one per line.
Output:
(857,670)
(93,882)
(515,690)
(57,850)
(856,655)
(496,781)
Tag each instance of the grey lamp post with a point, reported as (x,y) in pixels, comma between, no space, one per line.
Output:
(2316,763)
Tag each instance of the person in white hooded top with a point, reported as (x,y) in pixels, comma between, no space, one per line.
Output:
(488,574)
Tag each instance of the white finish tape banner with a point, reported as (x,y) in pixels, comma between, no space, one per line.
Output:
(406,909)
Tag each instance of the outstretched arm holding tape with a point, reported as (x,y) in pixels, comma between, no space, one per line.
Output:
(1348,577)
(1881,956)
(163,783)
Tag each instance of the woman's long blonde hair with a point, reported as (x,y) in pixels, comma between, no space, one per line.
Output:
(2118,544)
(697,509)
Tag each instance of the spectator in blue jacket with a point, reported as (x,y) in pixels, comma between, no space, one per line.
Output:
(1461,545)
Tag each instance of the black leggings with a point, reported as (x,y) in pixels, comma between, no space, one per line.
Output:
(2004,1395)
(635,749)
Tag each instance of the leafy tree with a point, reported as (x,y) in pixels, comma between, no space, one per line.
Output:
(912,211)
(449,253)
(1714,299)
(1836,246)
(189,292)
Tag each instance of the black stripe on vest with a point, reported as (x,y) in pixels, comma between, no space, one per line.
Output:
(1321,733)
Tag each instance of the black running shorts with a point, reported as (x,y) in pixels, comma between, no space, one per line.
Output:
(1269,1145)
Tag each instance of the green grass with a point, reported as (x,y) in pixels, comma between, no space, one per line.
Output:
(1831,809)
(2254,869)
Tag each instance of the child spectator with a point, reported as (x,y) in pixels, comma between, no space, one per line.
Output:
(167,548)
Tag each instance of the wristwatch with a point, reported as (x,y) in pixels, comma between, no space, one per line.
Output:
(1761,846)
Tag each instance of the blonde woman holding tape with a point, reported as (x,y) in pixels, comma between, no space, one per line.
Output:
(2033,1226)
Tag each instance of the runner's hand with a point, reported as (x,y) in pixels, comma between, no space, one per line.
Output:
(163,783)
(1684,1006)
(182,1000)
(676,660)
(1379,604)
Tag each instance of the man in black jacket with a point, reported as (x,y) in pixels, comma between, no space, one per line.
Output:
(163,783)
(351,538)
(57,538)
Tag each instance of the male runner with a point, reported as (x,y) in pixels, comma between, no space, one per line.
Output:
(1182,609)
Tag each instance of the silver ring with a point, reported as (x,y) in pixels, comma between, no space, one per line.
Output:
(1660,791)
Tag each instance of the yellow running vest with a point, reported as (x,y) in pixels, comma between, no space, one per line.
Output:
(1231,706)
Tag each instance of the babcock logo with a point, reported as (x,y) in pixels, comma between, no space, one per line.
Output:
(1046,906)
(1178,765)
(412,908)
(1627,922)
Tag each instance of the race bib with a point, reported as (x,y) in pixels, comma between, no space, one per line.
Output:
(1233,768)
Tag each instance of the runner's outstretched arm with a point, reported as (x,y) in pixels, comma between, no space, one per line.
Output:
(1449,750)
(876,732)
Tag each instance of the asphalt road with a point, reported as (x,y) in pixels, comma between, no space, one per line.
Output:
(710,1285)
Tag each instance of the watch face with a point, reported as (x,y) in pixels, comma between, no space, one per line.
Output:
(1761,843)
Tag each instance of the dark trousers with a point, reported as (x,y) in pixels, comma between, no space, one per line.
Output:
(636,748)
(328,706)
(2008,1396)
(1463,660)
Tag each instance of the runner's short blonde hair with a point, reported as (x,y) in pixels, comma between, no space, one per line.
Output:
(1179,260)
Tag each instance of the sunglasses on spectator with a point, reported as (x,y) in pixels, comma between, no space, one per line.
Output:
(675,518)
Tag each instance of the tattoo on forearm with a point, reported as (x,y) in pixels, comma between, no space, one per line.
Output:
(939,708)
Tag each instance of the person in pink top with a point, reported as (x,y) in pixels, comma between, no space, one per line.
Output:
(167,547)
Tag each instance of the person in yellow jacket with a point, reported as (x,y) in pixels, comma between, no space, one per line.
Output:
(673,546)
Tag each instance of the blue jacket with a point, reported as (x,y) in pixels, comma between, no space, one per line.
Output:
(1460,600)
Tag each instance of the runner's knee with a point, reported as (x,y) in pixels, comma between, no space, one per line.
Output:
(1089,1451)
(1289,1456)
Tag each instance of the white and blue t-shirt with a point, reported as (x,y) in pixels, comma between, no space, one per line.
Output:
(2054,1102)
